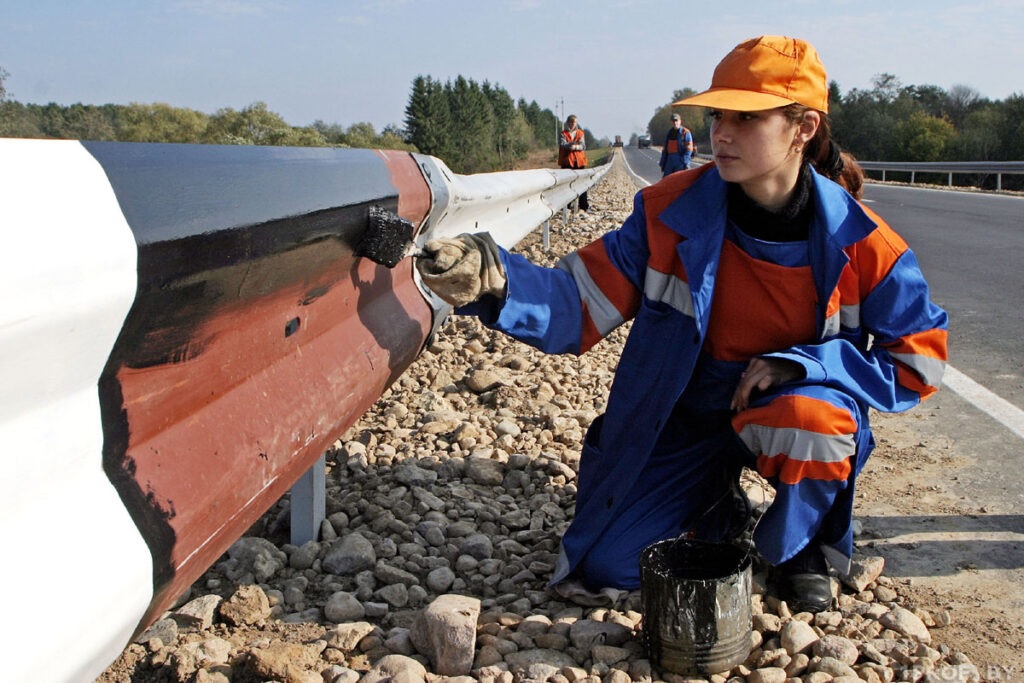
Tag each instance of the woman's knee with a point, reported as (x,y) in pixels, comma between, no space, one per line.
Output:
(796,436)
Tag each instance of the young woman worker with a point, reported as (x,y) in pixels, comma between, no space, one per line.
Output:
(771,310)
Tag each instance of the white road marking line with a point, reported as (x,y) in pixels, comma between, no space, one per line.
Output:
(999,409)
(948,535)
(629,169)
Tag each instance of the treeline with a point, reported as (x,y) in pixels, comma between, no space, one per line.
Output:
(472,128)
(252,125)
(893,122)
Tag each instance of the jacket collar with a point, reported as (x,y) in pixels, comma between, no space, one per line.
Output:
(699,216)
(837,216)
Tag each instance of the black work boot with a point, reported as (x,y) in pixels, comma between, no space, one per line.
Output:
(803,581)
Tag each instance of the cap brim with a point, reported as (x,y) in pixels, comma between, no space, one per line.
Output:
(736,100)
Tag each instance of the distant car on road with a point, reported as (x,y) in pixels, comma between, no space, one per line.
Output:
(643,141)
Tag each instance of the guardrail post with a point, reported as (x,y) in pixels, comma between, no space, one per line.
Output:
(309,503)
(547,235)
(951,179)
(912,173)
(999,182)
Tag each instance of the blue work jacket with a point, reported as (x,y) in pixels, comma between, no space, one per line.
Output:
(659,269)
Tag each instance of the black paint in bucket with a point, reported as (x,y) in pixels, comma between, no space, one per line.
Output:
(695,598)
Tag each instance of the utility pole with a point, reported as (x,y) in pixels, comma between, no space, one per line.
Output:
(558,119)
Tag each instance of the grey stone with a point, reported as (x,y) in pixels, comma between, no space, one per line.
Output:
(342,606)
(165,629)
(797,636)
(484,471)
(587,633)
(440,580)
(247,606)
(477,546)
(198,613)
(445,632)
(304,556)
(902,620)
(346,637)
(256,556)
(350,554)
(837,647)
(864,570)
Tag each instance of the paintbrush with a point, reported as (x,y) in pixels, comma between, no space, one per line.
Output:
(388,238)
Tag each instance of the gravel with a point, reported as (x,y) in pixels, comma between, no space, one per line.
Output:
(445,503)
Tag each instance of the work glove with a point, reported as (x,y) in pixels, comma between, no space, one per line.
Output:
(460,270)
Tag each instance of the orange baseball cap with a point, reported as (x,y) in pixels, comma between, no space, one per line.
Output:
(764,73)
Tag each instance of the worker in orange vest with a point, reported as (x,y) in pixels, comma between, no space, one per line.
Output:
(678,148)
(572,152)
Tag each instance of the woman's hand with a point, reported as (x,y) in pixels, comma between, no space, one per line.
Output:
(462,269)
(762,373)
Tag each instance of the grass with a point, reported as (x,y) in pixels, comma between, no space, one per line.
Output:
(548,158)
(596,157)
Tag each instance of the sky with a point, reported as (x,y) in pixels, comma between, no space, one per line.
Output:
(610,62)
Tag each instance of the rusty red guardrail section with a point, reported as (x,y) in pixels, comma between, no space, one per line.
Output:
(256,336)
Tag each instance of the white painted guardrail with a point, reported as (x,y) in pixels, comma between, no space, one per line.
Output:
(998,168)
(508,204)
(67,280)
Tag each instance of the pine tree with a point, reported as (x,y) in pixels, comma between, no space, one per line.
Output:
(473,127)
(543,124)
(504,110)
(428,118)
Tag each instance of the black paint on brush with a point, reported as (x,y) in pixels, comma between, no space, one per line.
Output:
(387,237)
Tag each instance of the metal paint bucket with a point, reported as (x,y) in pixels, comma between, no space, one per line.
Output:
(695,598)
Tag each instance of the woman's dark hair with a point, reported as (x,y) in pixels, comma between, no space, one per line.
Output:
(827,157)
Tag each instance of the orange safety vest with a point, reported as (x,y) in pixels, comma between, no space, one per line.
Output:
(672,145)
(569,158)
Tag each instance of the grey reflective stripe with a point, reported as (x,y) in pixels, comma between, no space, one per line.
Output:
(831,326)
(798,444)
(847,316)
(929,369)
(669,290)
(605,316)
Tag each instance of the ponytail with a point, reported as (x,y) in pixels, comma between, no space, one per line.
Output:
(827,157)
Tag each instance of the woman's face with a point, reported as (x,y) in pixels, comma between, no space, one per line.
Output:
(759,150)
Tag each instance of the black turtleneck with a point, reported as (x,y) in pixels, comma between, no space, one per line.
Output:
(791,223)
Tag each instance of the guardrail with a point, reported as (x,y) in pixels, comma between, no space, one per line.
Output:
(184,331)
(999,168)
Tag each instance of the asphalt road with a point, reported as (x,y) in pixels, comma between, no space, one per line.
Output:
(644,162)
(969,246)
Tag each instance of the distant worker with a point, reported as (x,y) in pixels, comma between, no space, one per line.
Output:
(572,152)
(678,149)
